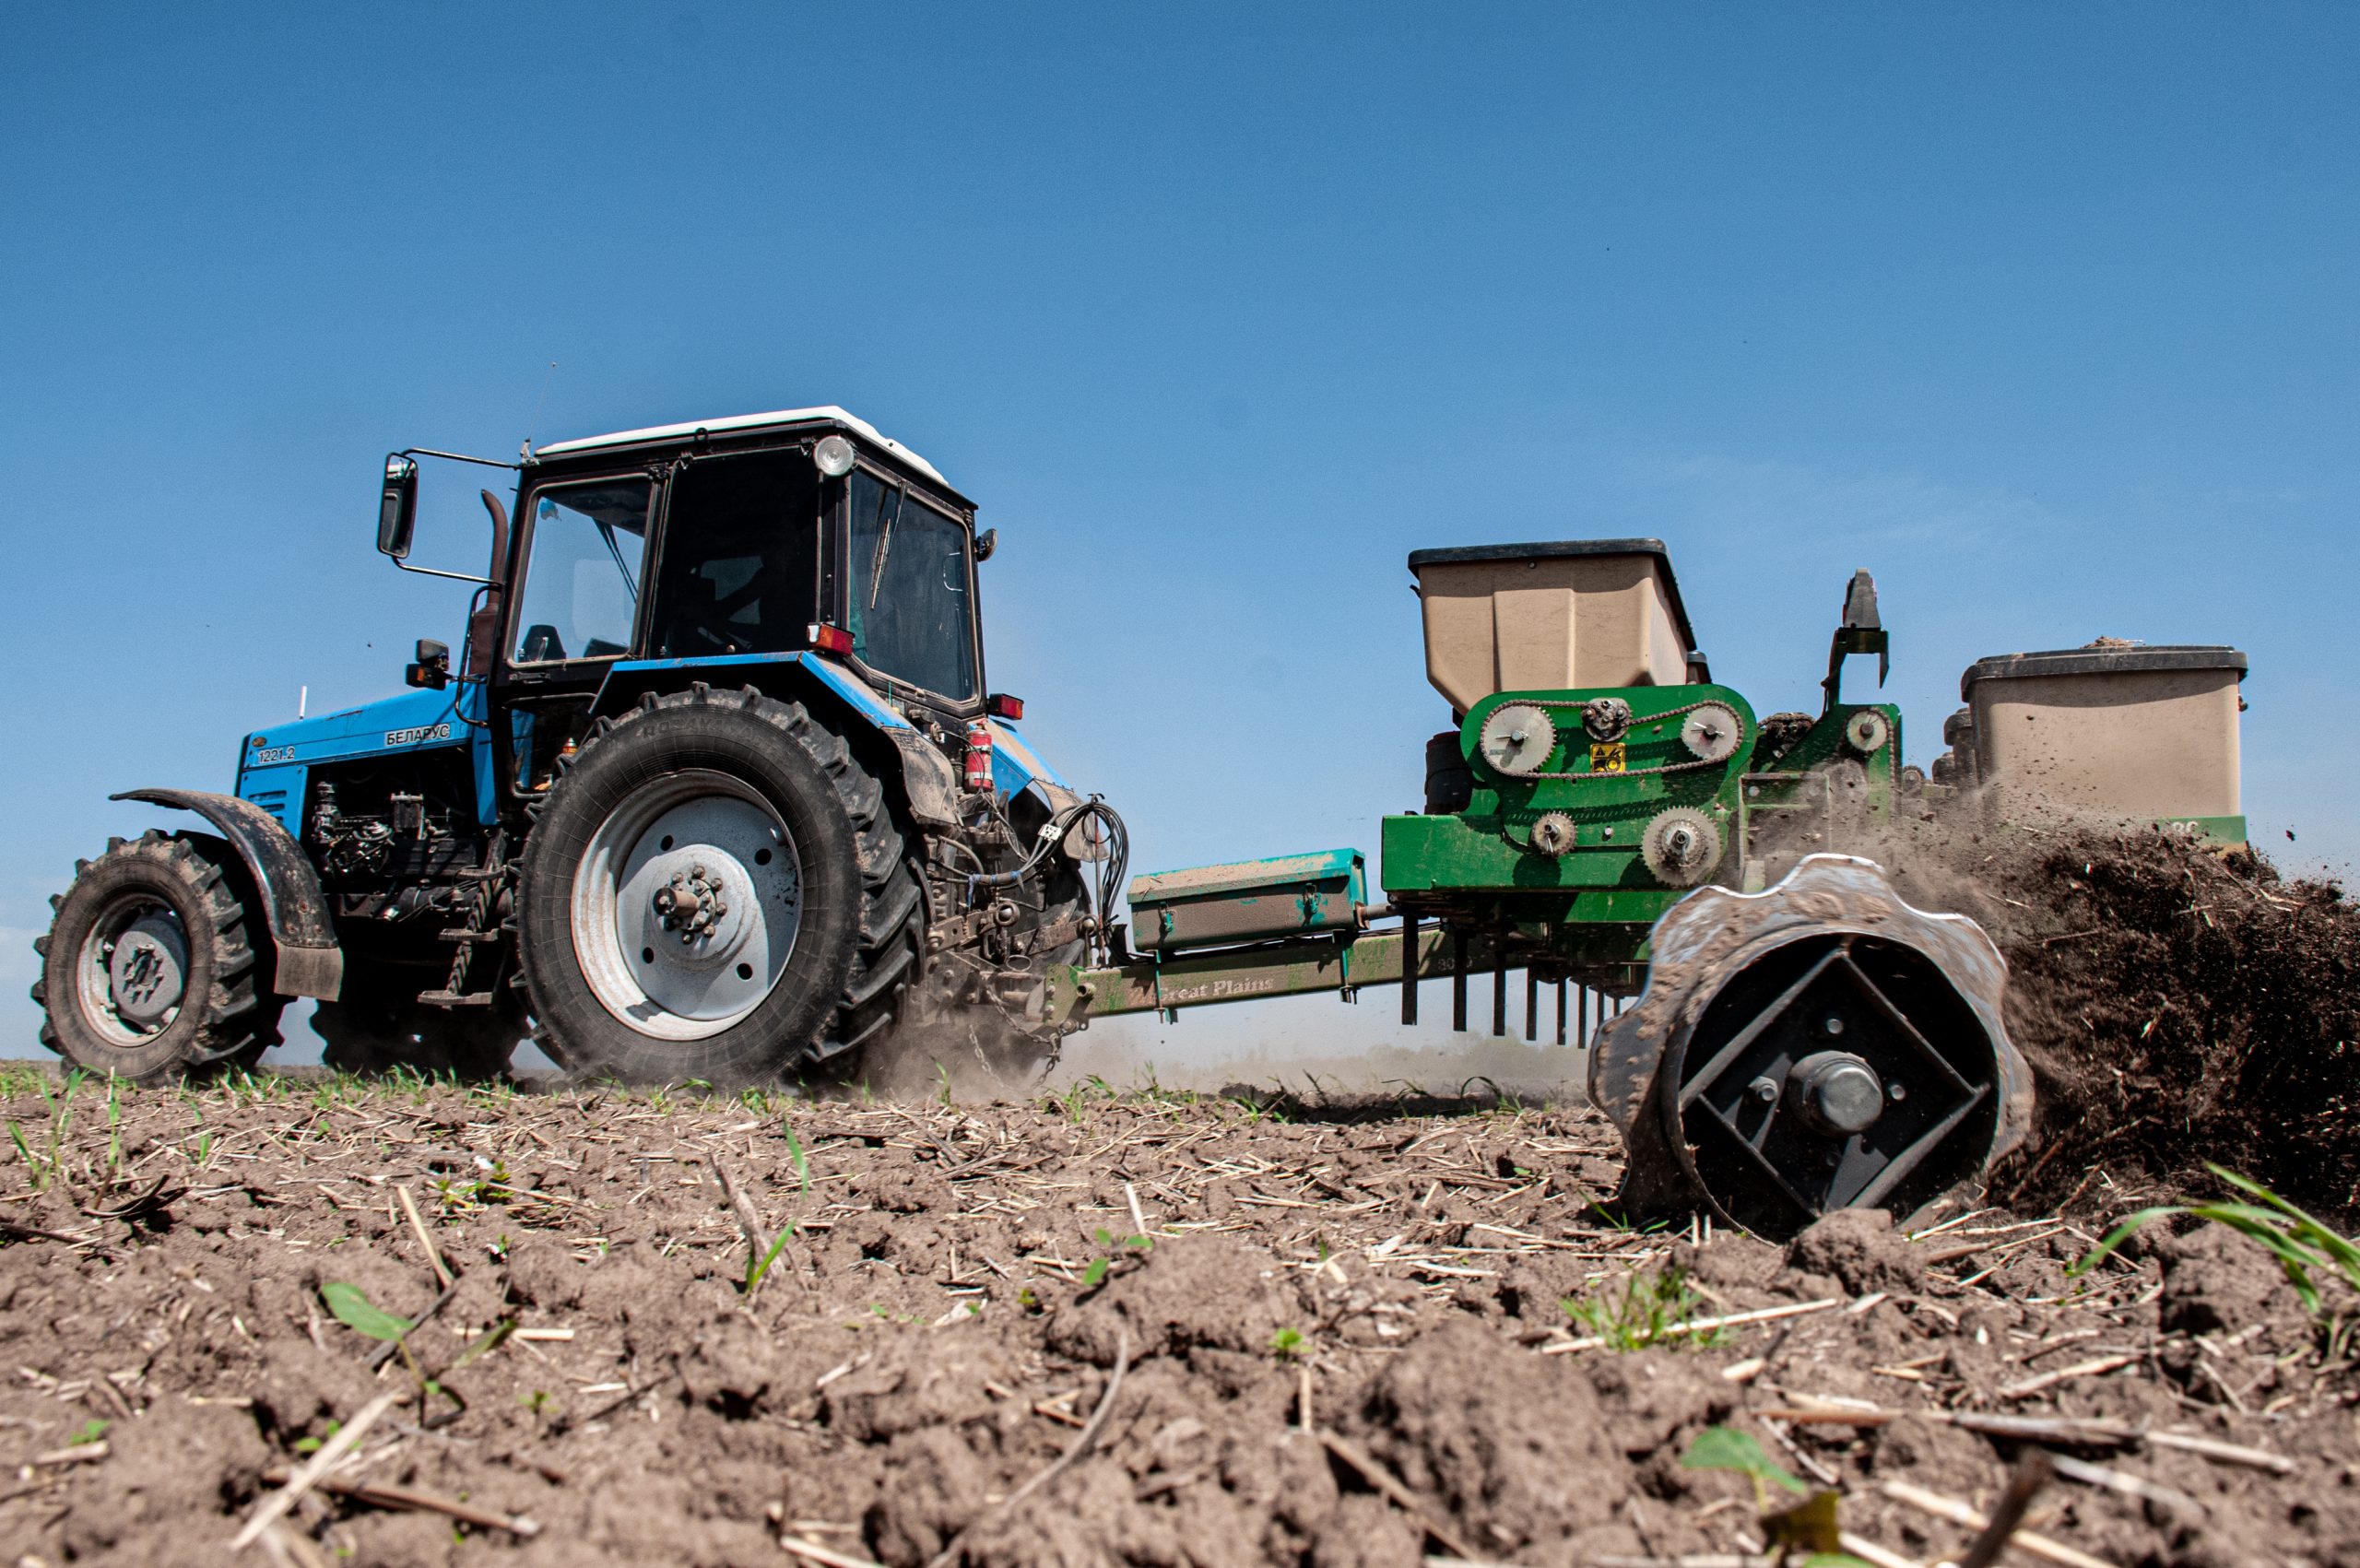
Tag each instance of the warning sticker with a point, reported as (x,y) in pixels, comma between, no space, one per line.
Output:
(1607,759)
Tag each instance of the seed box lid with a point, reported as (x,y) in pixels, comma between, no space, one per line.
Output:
(2103,661)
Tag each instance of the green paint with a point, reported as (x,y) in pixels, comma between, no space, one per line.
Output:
(1282,969)
(1249,901)
(2212,830)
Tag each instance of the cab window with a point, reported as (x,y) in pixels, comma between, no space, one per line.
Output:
(739,567)
(580,591)
(912,616)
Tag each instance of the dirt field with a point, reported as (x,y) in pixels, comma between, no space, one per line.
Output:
(1263,1336)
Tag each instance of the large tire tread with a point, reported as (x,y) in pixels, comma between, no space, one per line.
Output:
(202,880)
(887,930)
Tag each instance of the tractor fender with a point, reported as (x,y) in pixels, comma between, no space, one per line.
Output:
(929,785)
(308,960)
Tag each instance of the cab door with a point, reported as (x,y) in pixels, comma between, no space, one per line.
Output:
(582,548)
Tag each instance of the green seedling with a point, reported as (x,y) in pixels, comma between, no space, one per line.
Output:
(115,1130)
(90,1431)
(756,1267)
(1807,1531)
(351,1306)
(2301,1242)
(1726,1448)
(1288,1343)
(1078,1096)
(467,1194)
(1500,1098)
(1092,1276)
(47,1168)
(24,1151)
(314,1444)
(1637,1315)
(486,1343)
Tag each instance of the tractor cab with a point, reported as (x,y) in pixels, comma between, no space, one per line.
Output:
(803,535)
(763,535)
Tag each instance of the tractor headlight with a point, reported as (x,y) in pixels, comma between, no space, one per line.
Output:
(834,455)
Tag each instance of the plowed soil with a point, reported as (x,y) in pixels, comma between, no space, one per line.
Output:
(1148,1330)
(2181,1004)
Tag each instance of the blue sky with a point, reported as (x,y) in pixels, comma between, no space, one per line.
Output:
(2046,315)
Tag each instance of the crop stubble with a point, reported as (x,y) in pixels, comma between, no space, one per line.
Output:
(939,1330)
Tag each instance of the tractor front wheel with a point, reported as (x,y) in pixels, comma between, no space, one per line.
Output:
(149,970)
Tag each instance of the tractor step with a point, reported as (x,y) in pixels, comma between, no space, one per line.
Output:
(456,935)
(455,998)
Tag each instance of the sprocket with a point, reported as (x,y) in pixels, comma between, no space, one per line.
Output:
(1680,846)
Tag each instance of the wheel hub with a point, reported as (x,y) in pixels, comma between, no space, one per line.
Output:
(148,971)
(1837,1093)
(686,905)
(691,903)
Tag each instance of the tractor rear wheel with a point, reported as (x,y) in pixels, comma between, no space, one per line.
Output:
(717,890)
(149,968)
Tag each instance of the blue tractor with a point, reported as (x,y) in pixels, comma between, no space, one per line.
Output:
(717,791)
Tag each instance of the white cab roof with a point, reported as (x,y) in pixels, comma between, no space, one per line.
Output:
(748,421)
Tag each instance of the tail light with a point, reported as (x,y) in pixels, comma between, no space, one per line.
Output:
(833,639)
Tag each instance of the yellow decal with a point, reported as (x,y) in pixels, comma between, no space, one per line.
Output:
(1605,758)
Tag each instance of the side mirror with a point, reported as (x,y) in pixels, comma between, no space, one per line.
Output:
(397,510)
(433,666)
(986,542)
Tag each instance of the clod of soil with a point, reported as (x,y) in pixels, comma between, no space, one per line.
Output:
(1338,1343)
(2179,1005)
